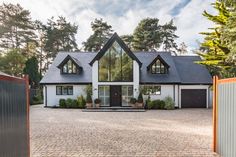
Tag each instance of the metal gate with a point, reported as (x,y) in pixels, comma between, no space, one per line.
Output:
(14,116)
(224,117)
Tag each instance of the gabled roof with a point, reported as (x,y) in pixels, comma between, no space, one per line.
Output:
(190,72)
(148,78)
(109,43)
(54,76)
(182,69)
(74,60)
(158,58)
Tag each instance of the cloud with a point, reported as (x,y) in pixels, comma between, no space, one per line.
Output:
(124,15)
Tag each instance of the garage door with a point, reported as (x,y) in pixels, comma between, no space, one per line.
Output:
(193,98)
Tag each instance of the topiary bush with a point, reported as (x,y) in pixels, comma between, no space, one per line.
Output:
(169,103)
(140,98)
(97,101)
(89,98)
(62,103)
(133,100)
(69,102)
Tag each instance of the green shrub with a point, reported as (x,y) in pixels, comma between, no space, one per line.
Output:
(89,98)
(81,102)
(133,100)
(62,103)
(69,103)
(169,103)
(140,98)
(149,104)
(74,104)
(156,104)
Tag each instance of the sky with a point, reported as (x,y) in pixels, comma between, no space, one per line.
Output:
(124,15)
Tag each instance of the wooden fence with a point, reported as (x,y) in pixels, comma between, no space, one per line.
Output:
(224,117)
(14,116)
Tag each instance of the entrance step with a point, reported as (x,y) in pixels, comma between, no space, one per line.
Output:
(114,109)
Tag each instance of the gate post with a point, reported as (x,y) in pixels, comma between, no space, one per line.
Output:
(215,116)
(26,78)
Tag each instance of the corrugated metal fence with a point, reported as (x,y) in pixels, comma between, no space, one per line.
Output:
(224,117)
(14,117)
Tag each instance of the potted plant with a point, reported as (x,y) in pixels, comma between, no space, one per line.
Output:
(97,103)
(132,102)
(89,101)
(139,103)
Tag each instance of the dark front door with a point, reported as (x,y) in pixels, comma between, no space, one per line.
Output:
(193,98)
(115,92)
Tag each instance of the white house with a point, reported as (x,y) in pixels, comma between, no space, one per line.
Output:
(116,75)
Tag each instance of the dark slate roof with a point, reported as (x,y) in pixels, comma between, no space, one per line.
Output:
(182,69)
(146,77)
(191,72)
(53,75)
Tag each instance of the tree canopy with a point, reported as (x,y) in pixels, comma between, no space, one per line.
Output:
(101,33)
(218,45)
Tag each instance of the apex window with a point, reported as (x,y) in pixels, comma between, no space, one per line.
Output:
(158,68)
(69,68)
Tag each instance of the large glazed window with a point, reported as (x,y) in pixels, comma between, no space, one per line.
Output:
(104,95)
(116,65)
(127,94)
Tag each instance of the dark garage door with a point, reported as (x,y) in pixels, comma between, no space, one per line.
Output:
(193,98)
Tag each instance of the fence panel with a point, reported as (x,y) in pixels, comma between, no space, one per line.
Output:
(225,117)
(14,117)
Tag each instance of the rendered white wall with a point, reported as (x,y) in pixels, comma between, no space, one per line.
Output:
(95,80)
(166,90)
(194,87)
(53,99)
(96,83)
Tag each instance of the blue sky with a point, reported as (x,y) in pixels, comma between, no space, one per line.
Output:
(124,15)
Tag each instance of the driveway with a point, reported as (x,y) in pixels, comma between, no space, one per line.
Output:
(73,133)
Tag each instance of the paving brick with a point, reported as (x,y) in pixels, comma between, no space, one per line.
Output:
(73,133)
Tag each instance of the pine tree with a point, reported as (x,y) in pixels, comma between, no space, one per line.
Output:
(31,68)
(128,39)
(147,35)
(16,27)
(101,33)
(168,36)
(217,50)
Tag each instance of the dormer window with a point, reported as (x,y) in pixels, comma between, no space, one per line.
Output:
(69,68)
(158,66)
(70,65)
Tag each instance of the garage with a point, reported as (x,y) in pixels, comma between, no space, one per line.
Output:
(193,98)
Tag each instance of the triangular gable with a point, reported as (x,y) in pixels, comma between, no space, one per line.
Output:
(109,43)
(162,61)
(68,57)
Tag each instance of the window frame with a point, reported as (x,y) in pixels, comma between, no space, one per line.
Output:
(104,96)
(152,88)
(161,66)
(67,90)
(109,66)
(67,67)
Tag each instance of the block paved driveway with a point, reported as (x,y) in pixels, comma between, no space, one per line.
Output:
(73,133)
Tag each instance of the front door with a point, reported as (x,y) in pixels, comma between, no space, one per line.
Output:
(115,95)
